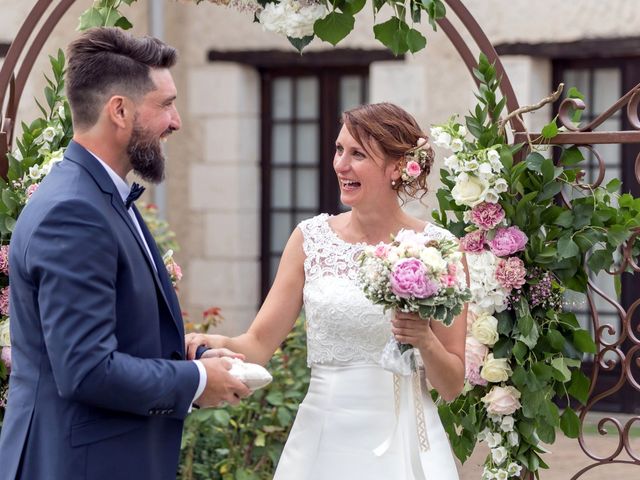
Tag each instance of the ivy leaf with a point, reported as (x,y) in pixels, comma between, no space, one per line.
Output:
(534,162)
(352,7)
(567,248)
(570,423)
(300,43)
(415,40)
(565,219)
(90,18)
(531,338)
(550,130)
(614,185)
(561,371)
(334,27)
(392,34)
(583,341)
(579,387)
(571,156)
(600,260)
(124,23)
(555,339)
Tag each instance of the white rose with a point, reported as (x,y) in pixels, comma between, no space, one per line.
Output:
(5,340)
(499,455)
(513,438)
(507,424)
(493,440)
(496,370)
(469,191)
(452,163)
(432,258)
(48,134)
(456,145)
(291,18)
(501,185)
(442,140)
(485,329)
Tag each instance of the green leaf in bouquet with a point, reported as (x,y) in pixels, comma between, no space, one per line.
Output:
(555,340)
(502,348)
(92,17)
(520,352)
(415,40)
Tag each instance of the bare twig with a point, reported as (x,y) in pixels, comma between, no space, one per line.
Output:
(530,108)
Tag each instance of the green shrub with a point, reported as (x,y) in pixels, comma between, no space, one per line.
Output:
(245,442)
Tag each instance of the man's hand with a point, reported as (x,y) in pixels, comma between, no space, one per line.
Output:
(221,386)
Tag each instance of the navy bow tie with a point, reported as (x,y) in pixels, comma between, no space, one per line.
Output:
(134,194)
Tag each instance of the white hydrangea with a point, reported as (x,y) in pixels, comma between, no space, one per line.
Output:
(292,18)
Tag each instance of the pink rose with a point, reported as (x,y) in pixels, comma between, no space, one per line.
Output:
(475,353)
(448,280)
(4,259)
(502,400)
(4,301)
(31,189)
(473,242)
(511,273)
(508,241)
(382,250)
(5,356)
(413,168)
(487,215)
(409,280)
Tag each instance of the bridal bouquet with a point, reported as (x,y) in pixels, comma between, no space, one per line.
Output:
(414,274)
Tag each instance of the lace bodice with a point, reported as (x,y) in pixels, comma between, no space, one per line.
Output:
(343,326)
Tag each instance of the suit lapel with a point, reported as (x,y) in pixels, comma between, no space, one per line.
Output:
(162,275)
(78,154)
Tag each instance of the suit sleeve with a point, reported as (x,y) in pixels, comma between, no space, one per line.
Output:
(72,259)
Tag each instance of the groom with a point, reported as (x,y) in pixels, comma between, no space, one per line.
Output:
(99,386)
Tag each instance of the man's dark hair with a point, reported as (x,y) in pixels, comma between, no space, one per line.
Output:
(108,61)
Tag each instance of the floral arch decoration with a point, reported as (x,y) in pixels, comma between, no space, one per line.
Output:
(529,224)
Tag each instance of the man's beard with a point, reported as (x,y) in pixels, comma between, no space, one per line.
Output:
(145,155)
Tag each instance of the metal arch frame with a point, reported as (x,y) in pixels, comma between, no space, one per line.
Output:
(14,77)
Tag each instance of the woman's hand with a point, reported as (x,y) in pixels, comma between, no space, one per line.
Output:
(411,329)
(194,340)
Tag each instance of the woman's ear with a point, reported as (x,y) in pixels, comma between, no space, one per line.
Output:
(396,172)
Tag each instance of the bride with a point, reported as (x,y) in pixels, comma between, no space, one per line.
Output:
(358,421)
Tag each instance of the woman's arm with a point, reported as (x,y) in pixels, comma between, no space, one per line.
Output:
(276,316)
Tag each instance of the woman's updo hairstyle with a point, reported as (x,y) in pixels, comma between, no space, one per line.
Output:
(395,133)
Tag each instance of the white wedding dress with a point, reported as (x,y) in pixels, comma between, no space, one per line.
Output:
(357,421)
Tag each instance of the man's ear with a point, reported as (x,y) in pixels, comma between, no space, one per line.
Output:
(119,110)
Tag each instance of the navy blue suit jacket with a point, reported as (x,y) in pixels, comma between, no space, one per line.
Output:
(97,389)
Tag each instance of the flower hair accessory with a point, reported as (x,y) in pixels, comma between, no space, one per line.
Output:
(416,160)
